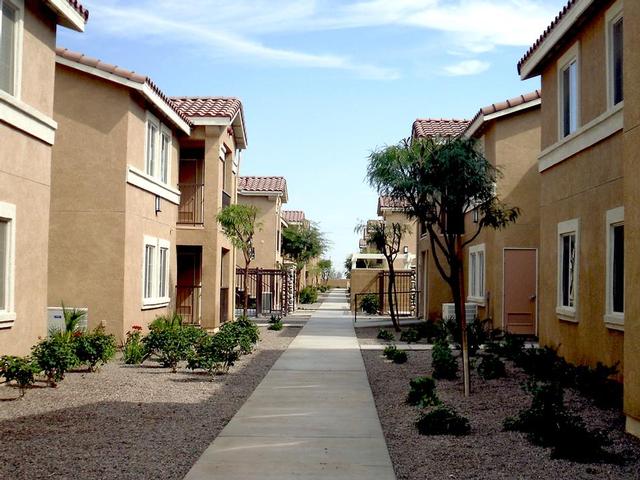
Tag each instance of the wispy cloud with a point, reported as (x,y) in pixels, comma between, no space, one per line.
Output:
(466,68)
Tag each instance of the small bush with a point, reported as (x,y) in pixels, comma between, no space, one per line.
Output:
(597,384)
(133,350)
(55,356)
(384,334)
(215,354)
(491,367)
(478,332)
(94,348)
(442,420)
(308,294)
(430,331)
(400,357)
(172,341)
(444,364)
(410,335)
(276,326)
(323,288)
(22,370)
(545,364)
(370,304)
(390,351)
(422,392)
(249,333)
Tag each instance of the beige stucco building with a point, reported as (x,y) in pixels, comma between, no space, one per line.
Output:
(27,134)
(267,194)
(114,194)
(589,146)
(391,211)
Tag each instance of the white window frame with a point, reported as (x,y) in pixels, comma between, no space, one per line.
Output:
(477,276)
(564,228)
(614,320)
(612,16)
(155,300)
(161,130)
(8,313)
(573,54)
(17,47)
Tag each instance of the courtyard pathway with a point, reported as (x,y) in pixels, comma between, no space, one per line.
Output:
(312,417)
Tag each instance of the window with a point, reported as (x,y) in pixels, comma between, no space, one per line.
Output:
(614,315)
(7,262)
(158,150)
(615,48)
(155,273)
(8,46)
(567,268)
(476,273)
(570,98)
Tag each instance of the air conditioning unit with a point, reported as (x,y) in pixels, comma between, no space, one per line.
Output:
(449,311)
(55,319)
(267,301)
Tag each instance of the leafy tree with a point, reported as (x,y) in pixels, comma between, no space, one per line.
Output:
(301,244)
(325,269)
(386,237)
(441,181)
(348,264)
(238,223)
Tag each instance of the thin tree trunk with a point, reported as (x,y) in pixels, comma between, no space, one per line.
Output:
(461,314)
(246,287)
(392,282)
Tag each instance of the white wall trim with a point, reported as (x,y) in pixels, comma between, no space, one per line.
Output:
(140,179)
(8,314)
(565,312)
(586,136)
(71,18)
(155,301)
(612,15)
(479,299)
(572,55)
(211,121)
(26,118)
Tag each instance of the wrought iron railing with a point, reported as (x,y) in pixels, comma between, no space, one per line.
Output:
(189,303)
(191,209)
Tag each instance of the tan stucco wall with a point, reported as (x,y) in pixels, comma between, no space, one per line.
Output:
(25,166)
(265,242)
(632,216)
(409,238)
(434,291)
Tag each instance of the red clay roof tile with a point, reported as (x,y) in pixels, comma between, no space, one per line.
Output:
(501,106)
(262,184)
(208,106)
(293,216)
(432,127)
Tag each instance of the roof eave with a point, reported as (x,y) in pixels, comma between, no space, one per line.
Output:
(67,15)
(481,120)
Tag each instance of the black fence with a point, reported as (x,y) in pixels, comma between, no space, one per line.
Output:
(270,291)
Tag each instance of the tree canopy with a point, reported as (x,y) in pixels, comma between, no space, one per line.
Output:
(302,243)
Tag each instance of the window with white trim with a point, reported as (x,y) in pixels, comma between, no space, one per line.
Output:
(615,49)
(476,273)
(615,267)
(10,27)
(568,257)
(7,263)
(158,145)
(155,272)
(570,98)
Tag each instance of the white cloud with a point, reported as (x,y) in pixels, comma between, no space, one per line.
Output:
(466,68)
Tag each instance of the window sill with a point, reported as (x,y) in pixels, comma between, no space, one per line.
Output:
(614,321)
(154,303)
(480,301)
(146,182)
(7,319)
(566,314)
(26,118)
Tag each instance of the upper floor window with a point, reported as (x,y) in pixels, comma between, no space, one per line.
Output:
(615,49)
(8,46)
(570,98)
(158,150)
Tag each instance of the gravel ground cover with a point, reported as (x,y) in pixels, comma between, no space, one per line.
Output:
(126,422)
(488,452)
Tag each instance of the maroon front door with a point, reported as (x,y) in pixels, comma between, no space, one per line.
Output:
(520,291)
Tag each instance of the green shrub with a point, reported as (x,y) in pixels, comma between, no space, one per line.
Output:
(444,364)
(442,420)
(400,357)
(323,288)
(370,304)
(597,384)
(215,354)
(133,350)
(548,423)
(22,370)
(55,356)
(384,334)
(430,330)
(94,348)
(410,335)
(422,392)
(308,294)
(245,332)
(172,341)
(390,351)
(276,326)
(478,332)
(545,364)
(491,367)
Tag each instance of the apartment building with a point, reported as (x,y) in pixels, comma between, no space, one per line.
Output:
(392,211)
(114,194)
(27,133)
(502,265)
(208,181)
(588,157)
(268,195)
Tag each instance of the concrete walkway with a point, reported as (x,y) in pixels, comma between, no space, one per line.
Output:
(312,417)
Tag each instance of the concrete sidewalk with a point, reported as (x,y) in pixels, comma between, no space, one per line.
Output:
(312,417)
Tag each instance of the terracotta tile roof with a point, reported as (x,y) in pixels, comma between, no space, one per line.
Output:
(293,216)
(432,127)
(198,107)
(119,72)
(262,184)
(78,7)
(389,202)
(570,4)
(501,106)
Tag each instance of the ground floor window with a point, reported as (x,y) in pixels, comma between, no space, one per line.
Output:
(567,267)
(155,272)
(7,263)
(615,267)
(476,273)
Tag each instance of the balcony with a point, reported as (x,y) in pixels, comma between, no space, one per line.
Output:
(226,199)
(191,209)
(189,303)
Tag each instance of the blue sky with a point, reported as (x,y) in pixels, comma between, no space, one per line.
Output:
(324,82)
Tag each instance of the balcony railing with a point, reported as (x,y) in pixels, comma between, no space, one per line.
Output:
(189,303)
(226,199)
(191,209)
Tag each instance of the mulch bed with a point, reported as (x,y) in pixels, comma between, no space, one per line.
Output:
(126,422)
(488,452)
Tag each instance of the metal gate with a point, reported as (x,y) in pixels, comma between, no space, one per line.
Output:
(406,292)
(270,292)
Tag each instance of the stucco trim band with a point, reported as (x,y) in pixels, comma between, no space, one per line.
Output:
(139,179)
(26,118)
(586,136)
(69,16)
(482,119)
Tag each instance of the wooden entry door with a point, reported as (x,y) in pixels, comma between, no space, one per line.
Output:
(520,291)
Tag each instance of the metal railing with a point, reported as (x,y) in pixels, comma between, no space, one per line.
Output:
(191,209)
(406,306)
(226,199)
(189,303)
